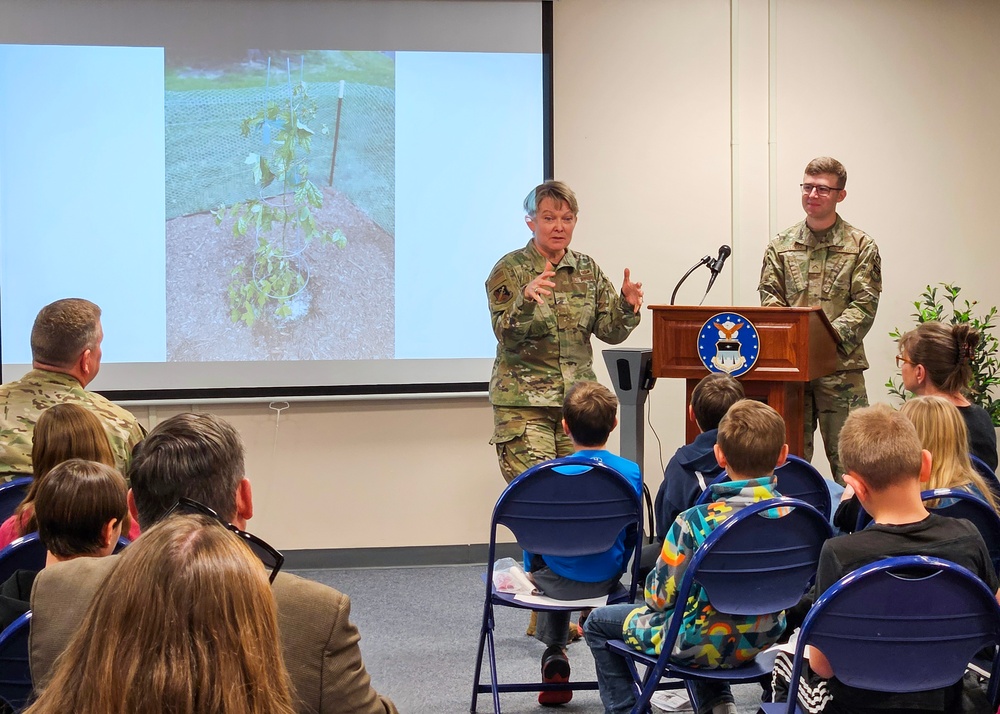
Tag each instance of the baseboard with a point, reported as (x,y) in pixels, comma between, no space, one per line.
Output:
(318,558)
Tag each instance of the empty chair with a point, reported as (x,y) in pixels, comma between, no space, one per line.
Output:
(760,561)
(558,514)
(904,624)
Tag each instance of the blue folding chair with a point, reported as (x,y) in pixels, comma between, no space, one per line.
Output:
(983,469)
(24,553)
(15,676)
(11,495)
(797,478)
(902,624)
(957,503)
(759,561)
(559,514)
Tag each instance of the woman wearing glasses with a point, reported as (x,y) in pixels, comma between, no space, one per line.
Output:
(936,360)
(186,622)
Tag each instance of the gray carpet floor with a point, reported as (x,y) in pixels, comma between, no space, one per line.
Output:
(419,630)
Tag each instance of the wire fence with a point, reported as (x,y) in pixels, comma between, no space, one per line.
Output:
(206,153)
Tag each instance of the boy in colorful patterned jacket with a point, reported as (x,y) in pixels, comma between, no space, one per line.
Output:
(751,444)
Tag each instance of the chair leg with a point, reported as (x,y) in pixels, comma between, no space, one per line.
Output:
(486,627)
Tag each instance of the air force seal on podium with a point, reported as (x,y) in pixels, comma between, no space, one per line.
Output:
(728,342)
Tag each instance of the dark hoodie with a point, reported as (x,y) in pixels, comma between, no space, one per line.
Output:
(690,470)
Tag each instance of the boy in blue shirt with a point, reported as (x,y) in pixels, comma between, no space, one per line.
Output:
(589,417)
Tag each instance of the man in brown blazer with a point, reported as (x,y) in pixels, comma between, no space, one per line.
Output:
(200,456)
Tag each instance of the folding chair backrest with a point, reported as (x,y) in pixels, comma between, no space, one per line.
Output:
(15,676)
(762,559)
(11,495)
(983,469)
(957,503)
(554,513)
(903,624)
(24,553)
(797,478)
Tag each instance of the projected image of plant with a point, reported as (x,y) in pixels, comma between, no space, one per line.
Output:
(281,223)
(280,205)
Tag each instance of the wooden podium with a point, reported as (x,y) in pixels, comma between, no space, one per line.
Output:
(797,344)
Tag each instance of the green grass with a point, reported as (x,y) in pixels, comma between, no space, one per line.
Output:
(372,68)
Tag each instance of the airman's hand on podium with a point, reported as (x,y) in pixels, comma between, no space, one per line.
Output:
(632,292)
(538,288)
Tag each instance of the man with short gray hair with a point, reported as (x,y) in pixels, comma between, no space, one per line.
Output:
(66,356)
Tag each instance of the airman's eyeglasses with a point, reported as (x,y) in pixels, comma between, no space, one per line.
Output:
(823,191)
(271,558)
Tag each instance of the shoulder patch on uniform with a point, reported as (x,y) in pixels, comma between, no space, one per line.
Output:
(501,294)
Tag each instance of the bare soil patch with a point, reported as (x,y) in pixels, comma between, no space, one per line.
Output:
(349,302)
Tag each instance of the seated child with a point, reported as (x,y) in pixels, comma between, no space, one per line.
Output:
(79,507)
(751,444)
(589,411)
(63,431)
(881,452)
(693,466)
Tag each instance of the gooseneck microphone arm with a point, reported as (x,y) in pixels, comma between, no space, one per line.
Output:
(704,261)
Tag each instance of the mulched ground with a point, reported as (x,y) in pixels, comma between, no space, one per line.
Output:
(348,305)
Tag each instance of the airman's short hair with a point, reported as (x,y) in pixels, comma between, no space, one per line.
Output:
(828,165)
(559,192)
(63,330)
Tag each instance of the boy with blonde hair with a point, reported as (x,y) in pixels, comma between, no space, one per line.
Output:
(886,466)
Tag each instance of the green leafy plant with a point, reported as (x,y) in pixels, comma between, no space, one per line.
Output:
(281,221)
(986,363)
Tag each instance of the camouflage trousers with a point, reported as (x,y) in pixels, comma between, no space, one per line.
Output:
(526,436)
(828,400)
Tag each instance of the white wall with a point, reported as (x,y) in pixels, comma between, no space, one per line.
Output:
(682,125)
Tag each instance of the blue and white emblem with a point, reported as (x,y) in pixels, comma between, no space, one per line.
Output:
(728,342)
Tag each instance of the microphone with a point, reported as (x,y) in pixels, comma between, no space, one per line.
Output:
(716,266)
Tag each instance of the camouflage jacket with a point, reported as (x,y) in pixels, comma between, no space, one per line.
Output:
(842,274)
(543,349)
(707,638)
(22,401)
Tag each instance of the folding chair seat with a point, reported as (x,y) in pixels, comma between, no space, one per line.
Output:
(15,677)
(759,561)
(558,514)
(903,624)
(797,478)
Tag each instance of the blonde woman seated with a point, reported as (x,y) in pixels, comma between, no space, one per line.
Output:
(79,509)
(63,431)
(942,432)
(186,622)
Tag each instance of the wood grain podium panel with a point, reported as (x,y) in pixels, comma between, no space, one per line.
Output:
(797,345)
